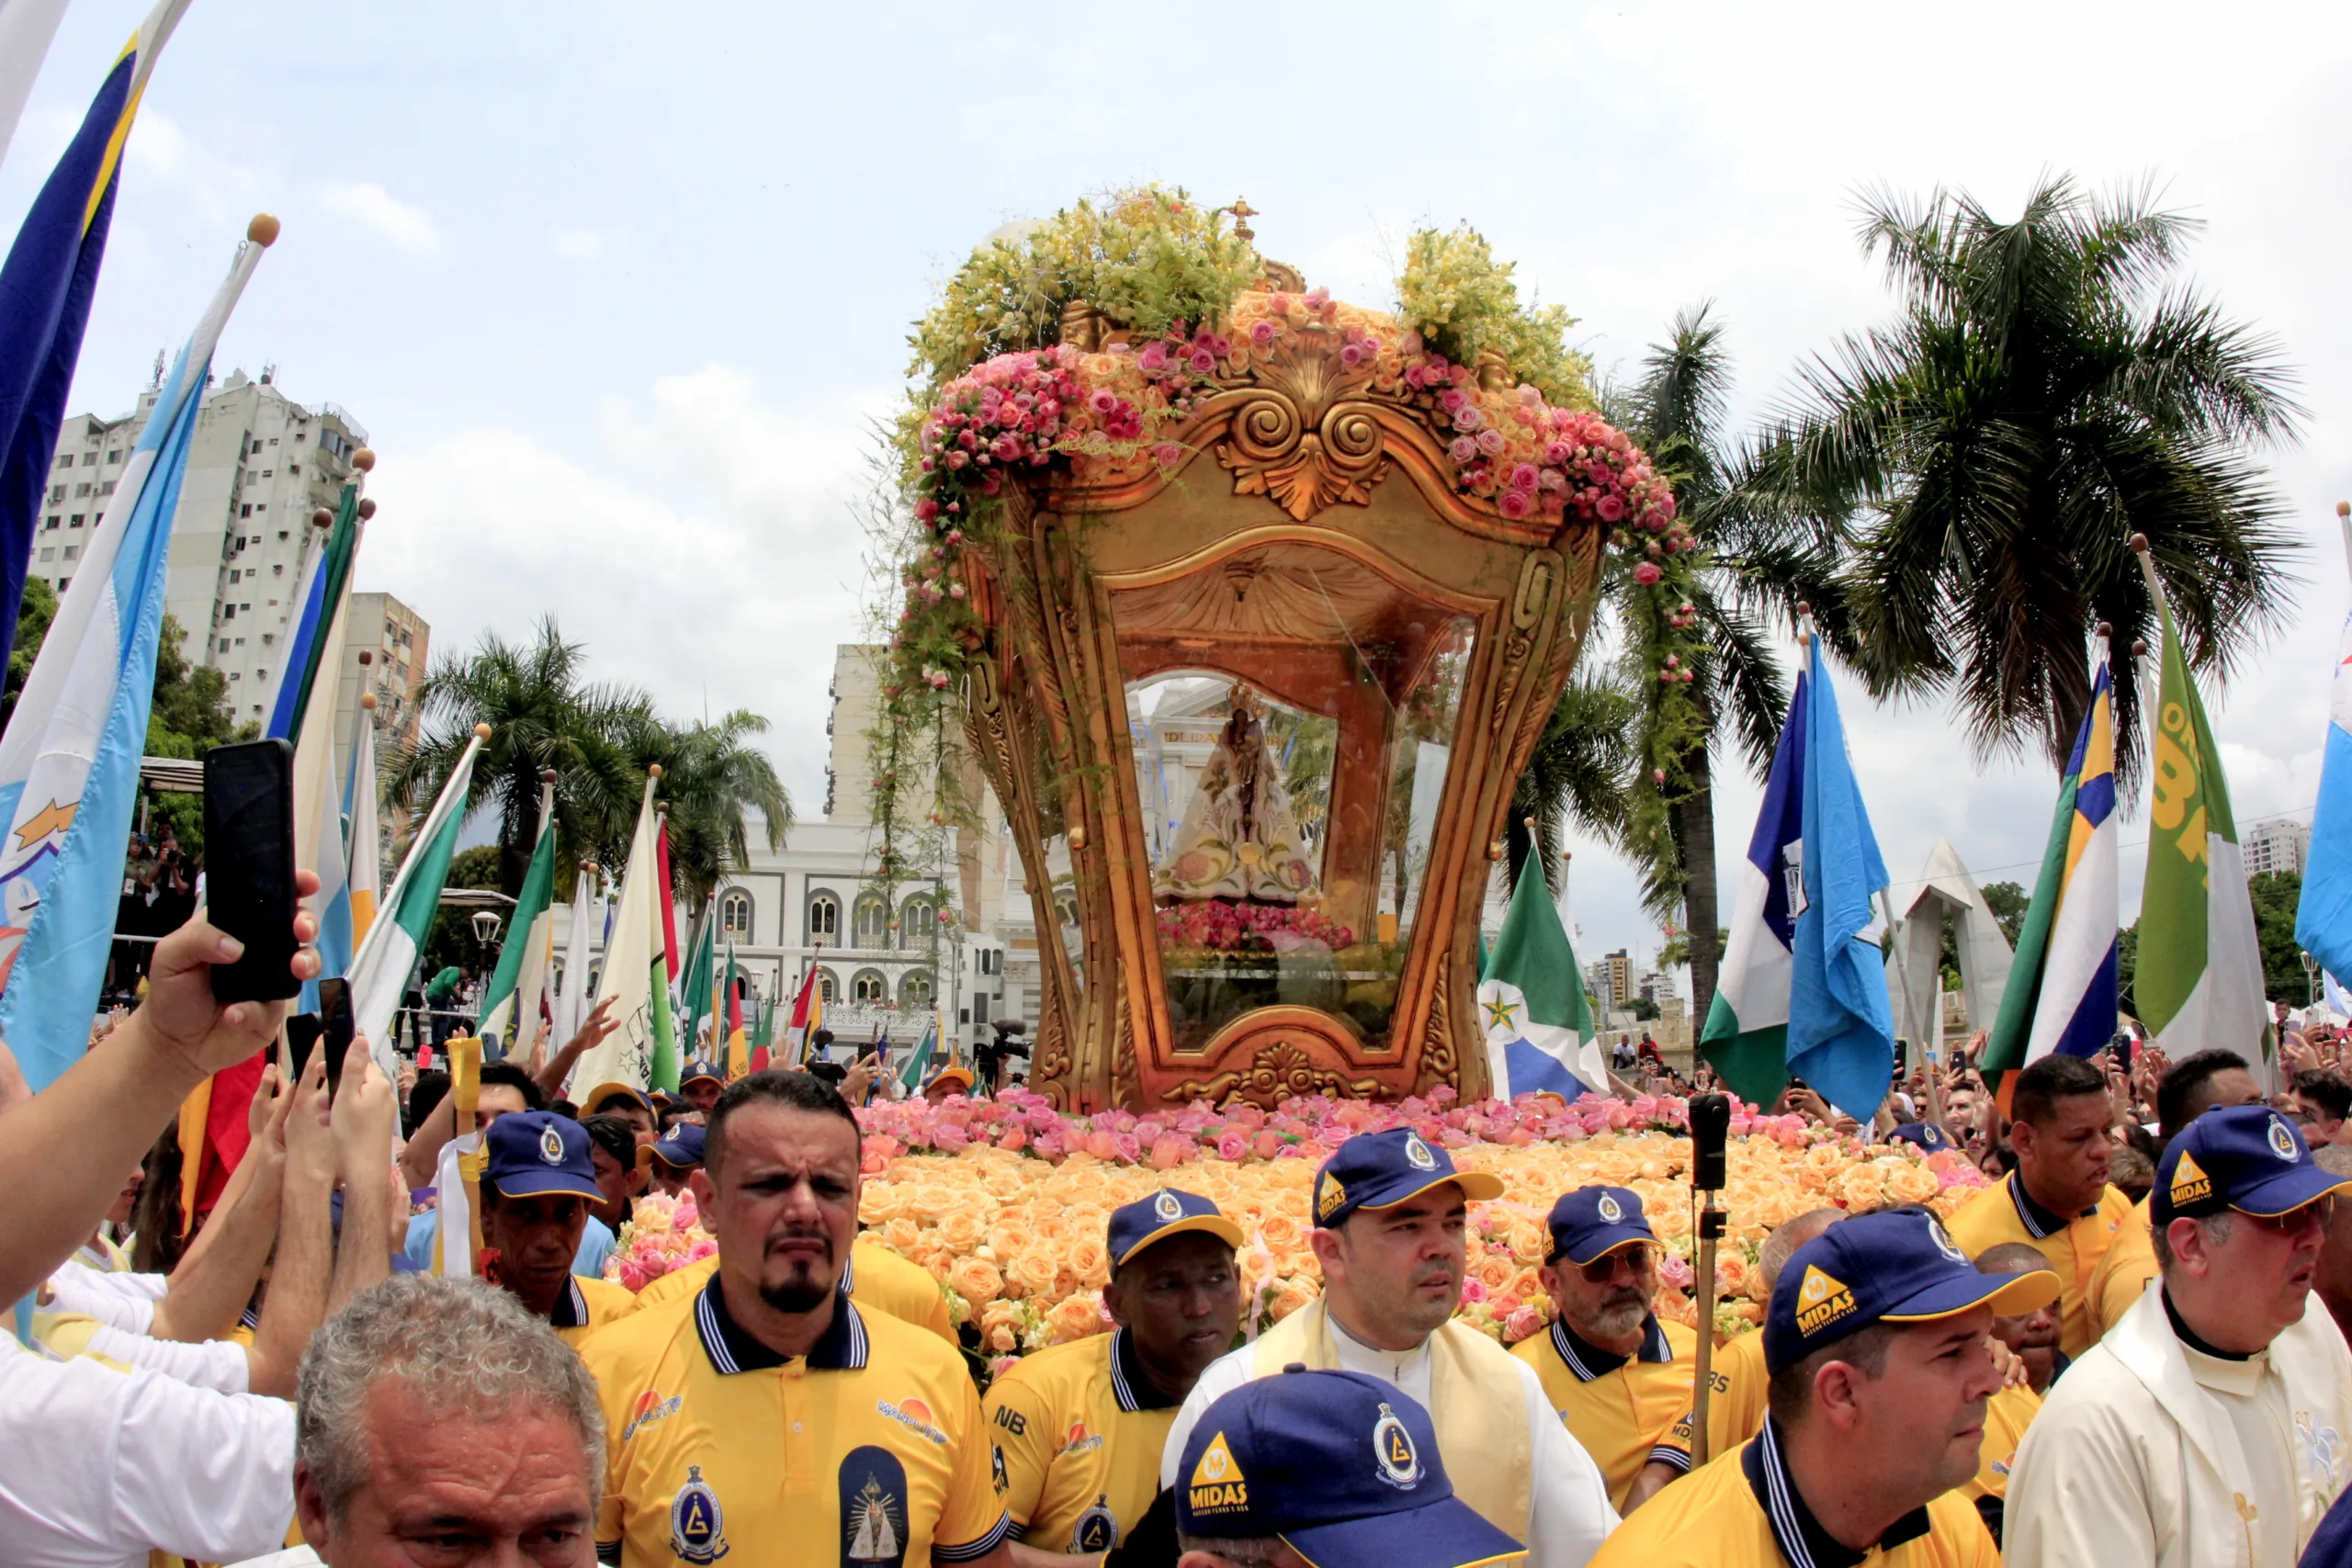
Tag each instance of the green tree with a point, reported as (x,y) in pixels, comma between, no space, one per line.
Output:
(451,939)
(542,713)
(712,780)
(33,616)
(188,716)
(2008,901)
(2275,895)
(2046,389)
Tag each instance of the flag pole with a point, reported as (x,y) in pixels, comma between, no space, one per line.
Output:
(2343,521)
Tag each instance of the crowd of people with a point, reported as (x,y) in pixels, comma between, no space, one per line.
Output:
(2109,1356)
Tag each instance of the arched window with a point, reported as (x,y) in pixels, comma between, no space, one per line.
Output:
(868,986)
(914,989)
(873,917)
(824,919)
(735,915)
(829,989)
(916,920)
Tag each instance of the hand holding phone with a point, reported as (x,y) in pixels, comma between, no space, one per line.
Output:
(249,837)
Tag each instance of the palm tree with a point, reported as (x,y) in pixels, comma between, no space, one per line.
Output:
(1675,412)
(541,715)
(2046,389)
(711,780)
(1577,775)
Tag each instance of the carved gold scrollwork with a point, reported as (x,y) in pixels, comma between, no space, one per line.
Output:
(1301,439)
(1437,1038)
(1279,1071)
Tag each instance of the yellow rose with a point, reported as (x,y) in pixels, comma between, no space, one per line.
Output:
(960,1230)
(902,1236)
(977,1280)
(1001,1340)
(1912,1184)
(1281,1231)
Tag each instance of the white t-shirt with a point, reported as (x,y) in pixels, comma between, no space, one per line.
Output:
(121,1301)
(98,1467)
(1569,1513)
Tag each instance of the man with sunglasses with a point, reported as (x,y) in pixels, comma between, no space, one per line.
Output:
(1619,1378)
(2213,1423)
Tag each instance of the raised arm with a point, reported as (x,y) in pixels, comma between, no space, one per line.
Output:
(62,1152)
(215,1277)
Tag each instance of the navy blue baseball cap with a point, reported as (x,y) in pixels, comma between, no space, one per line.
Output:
(1166,1213)
(696,1071)
(681,1149)
(1591,1220)
(1377,1171)
(1928,1137)
(2246,1157)
(537,1154)
(1897,1266)
(1342,1467)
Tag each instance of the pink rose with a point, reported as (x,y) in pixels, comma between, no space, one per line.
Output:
(1168,454)
(1646,574)
(1490,441)
(949,1136)
(1103,401)
(1523,476)
(1473,1292)
(1152,360)
(1263,332)
(1129,1149)
(1514,503)
(1203,362)
(1524,1323)
(1102,1145)
(1173,1150)
(1611,508)
(1232,1146)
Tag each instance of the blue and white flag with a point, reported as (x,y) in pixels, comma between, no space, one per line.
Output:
(69,763)
(1841,1028)
(2324,917)
(1537,1020)
(2062,992)
(1747,1034)
(45,291)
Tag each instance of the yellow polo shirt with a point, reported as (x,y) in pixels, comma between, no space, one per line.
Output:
(1740,1511)
(1079,1429)
(2097,1253)
(870,1448)
(875,1277)
(1621,1408)
(586,1306)
(2007,1415)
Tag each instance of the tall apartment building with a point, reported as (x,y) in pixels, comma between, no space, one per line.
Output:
(2276,843)
(395,637)
(1620,971)
(242,537)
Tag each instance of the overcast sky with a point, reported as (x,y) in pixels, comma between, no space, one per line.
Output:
(617,291)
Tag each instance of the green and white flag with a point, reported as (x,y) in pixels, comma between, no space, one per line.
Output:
(2198,982)
(379,970)
(918,1065)
(636,973)
(524,957)
(1539,1024)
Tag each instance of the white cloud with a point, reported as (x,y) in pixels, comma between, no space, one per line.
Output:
(712,558)
(369,205)
(588,246)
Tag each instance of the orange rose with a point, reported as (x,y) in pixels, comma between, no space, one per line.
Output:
(960,1230)
(1294,1294)
(1281,1231)
(1003,1341)
(1034,1272)
(1090,1261)
(977,1280)
(1075,1318)
(902,1236)
(1496,1273)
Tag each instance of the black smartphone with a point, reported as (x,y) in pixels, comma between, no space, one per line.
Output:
(301,1037)
(337,1028)
(249,856)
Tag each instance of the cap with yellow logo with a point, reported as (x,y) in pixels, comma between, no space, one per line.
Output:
(1896,1267)
(2246,1157)
(1342,1466)
(1379,1170)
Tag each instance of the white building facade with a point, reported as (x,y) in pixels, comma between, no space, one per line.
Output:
(2276,843)
(242,535)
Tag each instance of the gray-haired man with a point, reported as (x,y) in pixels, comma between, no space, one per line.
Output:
(440,1414)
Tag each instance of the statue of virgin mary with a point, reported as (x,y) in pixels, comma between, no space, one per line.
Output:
(1239,840)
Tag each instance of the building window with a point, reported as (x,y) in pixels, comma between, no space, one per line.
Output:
(735,915)
(246,512)
(51,525)
(57,492)
(49,552)
(66,461)
(235,576)
(873,927)
(979,1006)
(89,459)
(915,923)
(106,487)
(824,919)
(224,645)
(828,990)
(72,551)
(114,456)
(82,488)
(867,987)
(75,520)
(914,989)
(228,612)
